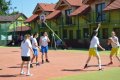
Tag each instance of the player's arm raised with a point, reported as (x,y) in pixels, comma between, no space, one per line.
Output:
(98,26)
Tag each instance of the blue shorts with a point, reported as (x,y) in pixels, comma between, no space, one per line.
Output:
(44,49)
(35,52)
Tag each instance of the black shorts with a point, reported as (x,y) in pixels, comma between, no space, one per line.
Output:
(24,58)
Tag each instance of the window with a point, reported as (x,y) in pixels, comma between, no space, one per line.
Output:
(64,34)
(71,34)
(78,35)
(100,15)
(68,18)
(117,31)
(43,25)
(85,32)
(105,33)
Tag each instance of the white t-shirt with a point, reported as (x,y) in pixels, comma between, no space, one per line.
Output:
(44,41)
(115,39)
(31,37)
(34,41)
(94,42)
(25,51)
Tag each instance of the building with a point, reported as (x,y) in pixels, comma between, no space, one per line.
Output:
(74,20)
(12,26)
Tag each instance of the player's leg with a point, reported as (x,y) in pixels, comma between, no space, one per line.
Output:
(42,56)
(28,69)
(22,65)
(36,55)
(46,54)
(118,50)
(118,58)
(111,56)
(37,63)
(86,65)
(99,61)
(111,59)
(91,52)
(32,60)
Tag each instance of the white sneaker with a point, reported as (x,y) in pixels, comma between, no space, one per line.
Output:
(22,73)
(29,74)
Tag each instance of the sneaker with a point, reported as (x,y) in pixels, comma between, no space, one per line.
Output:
(22,73)
(37,64)
(47,60)
(110,63)
(29,74)
(101,69)
(31,66)
(85,66)
(42,61)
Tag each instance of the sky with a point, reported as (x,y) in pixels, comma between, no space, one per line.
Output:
(27,6)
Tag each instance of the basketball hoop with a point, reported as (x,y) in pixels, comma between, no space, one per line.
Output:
(42,18)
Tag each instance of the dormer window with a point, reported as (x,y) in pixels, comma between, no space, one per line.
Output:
(100,15)
(68,18)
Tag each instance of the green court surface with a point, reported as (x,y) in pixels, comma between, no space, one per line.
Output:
(2,46)
(110,74)
(84,51)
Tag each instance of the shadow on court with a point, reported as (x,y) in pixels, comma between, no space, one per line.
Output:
(97,65)
(8,76)
(14,67)
(76,70)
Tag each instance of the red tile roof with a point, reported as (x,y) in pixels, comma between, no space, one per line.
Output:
(74,2)
(87,1)
(47,7)
(79,10)
(113,6)
(19,28)
(23,28)
(34,16)
(70,3)
(53,14)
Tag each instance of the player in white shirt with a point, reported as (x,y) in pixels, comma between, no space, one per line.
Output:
(35,49)
(93,49)
(44,46)
(25,54)
(31,37)
(115,47)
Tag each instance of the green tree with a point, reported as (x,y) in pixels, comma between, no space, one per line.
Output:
(15,12)
(4,7)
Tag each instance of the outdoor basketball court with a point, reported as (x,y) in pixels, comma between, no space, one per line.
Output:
(62,63)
